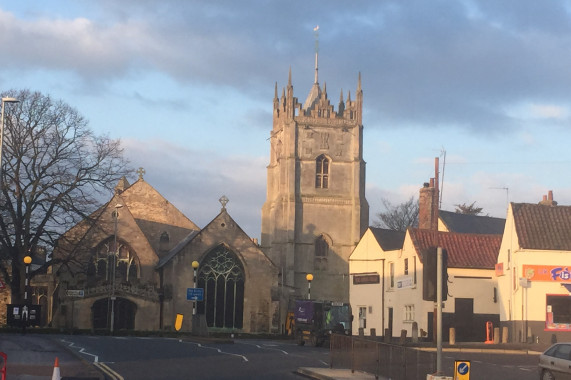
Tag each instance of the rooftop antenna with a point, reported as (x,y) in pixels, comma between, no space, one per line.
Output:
(316,33)
(507,193)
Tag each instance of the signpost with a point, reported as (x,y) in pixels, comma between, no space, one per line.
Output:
(23,315)
(195,294)
(75,293)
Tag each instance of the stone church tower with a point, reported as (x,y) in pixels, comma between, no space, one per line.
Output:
(315,211)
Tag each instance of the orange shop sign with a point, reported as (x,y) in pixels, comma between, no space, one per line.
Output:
(550,273)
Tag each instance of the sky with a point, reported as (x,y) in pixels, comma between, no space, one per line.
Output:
(188,87)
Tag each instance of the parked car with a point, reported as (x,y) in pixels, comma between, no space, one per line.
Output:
(555,362)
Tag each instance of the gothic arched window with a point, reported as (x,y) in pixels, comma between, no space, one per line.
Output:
(321,253)
(164,242)
(322,172)
(123,258)
(222,276)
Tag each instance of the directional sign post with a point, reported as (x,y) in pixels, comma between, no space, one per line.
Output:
(462,370)
(195,294)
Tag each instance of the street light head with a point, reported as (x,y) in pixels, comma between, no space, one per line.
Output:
(309,277)
(195,264)
(27,260)
(10,100)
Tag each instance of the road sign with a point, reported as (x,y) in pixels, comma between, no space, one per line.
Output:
(75,293)
(195,294)
(461,369)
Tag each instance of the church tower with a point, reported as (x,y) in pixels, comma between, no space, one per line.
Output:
(315,211)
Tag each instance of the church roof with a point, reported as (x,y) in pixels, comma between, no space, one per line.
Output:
(542,227)
(389,240)
(464,250)
(471,224)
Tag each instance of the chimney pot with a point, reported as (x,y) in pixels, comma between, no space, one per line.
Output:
(550,195)
(425,185)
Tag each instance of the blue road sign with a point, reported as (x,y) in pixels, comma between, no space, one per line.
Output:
(195,294)
(462,369)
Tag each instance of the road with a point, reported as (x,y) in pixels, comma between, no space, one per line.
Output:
(133,358)
(168,358)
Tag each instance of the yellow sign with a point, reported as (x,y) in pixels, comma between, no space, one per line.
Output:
(178,322)
(461,369)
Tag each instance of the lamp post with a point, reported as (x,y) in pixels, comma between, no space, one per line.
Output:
(115,254)
(309,278)
(25,315)
(4,100)
(194,267)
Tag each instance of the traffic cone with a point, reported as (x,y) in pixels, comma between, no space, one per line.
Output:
(56,375)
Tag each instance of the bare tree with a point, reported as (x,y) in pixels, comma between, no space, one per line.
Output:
(471,209)
(398,217)
(54,170)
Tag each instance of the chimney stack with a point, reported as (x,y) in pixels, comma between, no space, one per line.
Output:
(548,199)
(428,202)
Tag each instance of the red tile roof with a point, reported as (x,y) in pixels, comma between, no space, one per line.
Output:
(543,227)
(464,250)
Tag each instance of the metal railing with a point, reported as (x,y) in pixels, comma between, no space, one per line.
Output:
(381,359)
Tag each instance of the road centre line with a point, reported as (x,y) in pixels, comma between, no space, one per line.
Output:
(81,350)
(264,347)
(217,349)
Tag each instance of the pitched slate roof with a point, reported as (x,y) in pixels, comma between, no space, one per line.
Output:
(464,250)
(543,227)
(472,224)
(389,240)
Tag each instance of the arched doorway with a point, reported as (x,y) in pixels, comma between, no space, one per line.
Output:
(222,276)
(124,311)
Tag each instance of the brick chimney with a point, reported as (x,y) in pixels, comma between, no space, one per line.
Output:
(548,199)
(428,203)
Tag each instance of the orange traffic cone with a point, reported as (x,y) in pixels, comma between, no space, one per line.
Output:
(56,375)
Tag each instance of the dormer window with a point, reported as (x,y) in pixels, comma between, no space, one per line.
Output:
(322,172)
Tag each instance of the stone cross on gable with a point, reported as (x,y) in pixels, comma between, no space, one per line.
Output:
(223,201)
(140,172)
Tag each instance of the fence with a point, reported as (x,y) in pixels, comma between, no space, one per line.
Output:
(381,359)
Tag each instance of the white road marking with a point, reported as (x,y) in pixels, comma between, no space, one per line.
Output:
(216,349)
(265,346)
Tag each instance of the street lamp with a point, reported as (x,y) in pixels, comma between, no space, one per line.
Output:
(115,254)
(309,278)
(27,262)
(4,100)
(194,267)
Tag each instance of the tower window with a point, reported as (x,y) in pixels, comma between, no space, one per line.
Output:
(322,172)
(321,253)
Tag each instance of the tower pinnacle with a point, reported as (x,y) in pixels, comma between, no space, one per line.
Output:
(316,32)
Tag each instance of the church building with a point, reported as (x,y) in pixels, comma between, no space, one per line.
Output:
(315,211)
(130,265)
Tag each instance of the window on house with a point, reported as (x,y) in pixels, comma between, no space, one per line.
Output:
(409,312)
(406,267)
(558,311)
(321,253)
(392,274)
(322,172)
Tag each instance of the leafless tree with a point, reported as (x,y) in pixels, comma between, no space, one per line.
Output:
(54,171)
(398,217)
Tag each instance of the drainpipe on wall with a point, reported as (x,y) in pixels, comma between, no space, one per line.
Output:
(383,300)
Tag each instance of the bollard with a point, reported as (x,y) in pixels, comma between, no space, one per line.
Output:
(387,336)
(361,332)
(496,335)
(505,334)
(452,336)
(402,340)
(373,332)
(414,332)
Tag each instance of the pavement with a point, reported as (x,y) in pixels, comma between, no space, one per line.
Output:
(32,357)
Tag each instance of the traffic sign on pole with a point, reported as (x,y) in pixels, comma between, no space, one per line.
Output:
(462,370)
(195,294)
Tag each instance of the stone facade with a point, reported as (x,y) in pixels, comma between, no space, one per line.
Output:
(315,211)
(133,256)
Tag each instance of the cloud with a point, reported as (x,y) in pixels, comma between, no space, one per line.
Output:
(193,180)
